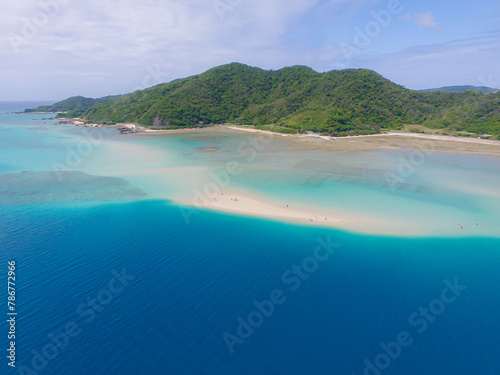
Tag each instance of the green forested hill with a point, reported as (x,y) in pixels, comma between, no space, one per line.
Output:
(75,103)
(483,89)
(297,99)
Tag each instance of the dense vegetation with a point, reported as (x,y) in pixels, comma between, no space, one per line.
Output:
(297,99)
(483,89)
(75,103)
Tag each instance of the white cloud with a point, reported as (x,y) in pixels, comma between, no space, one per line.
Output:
(118,40)
(100,47)
(426,20)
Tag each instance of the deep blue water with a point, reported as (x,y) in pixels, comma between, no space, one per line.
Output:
(193,281)
(188,284)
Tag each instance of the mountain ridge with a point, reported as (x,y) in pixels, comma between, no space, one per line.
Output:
(461,88)
(293,99)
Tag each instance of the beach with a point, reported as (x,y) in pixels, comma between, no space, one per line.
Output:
(390,140)
(355,184)
(245,203)
(394,140)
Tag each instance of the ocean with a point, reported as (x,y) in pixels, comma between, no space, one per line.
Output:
(112,279)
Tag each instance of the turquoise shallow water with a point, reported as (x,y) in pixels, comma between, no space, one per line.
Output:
(432,197)
(188,284)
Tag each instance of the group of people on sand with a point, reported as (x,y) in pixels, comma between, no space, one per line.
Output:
(310,219)
(286,206)
(216,200)
(462,226)
(315,217)
(326,219)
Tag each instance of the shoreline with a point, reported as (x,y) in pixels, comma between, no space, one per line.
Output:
(242,203)
(395,140)
(428,143)
(401,134)
(313,136)
(139,129)
(249,204)
(252,204)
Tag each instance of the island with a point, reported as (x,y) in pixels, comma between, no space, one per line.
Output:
(293,100)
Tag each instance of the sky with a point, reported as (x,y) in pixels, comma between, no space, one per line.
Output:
(54,49)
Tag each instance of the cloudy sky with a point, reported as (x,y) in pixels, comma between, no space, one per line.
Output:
(53,49)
